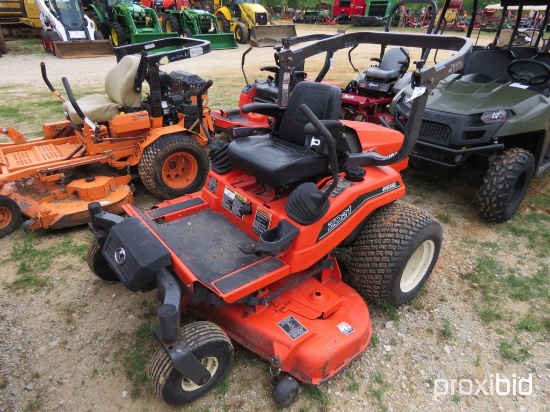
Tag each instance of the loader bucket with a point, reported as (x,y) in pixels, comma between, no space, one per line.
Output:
(87,48)
(219,41)
(145,37)
(269,36)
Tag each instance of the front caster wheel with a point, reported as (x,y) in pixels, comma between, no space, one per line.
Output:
(97,263)
(285,391)
(212,348)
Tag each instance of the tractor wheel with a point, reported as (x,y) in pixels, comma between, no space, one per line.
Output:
(212,348)
(118,37)
(170,24)
(225,25)
(99,26)
(44,38)
(173,165)
(98,35)
(3,46)
(10,216)
(97,263)
(187,33)
(53,36)
(505,185)
(394,254)
(241,33)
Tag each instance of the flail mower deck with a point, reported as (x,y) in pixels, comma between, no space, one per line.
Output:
(251,253)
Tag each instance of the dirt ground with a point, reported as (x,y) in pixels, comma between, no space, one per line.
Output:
(63,347)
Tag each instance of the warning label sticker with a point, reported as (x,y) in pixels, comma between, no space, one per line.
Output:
(340,187)
(345,328)
(292,327)
(262,219)
(233,202)
(212,184)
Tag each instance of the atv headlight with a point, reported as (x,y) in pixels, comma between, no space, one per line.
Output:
(495,116)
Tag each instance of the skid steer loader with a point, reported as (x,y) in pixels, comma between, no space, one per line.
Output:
(250,22)
(67,32)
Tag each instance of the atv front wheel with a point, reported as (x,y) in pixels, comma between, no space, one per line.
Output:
(10,215)
(170,24)
(97,263)
(173,166)
(212,348)
(118,36)
(241,33)
(394,254)
(505,185)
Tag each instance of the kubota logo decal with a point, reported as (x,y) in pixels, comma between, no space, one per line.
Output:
(338,220)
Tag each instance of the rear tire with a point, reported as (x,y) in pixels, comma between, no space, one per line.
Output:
(10,216)
(212,348)
(170,24)
(98,35)
(394,254)
(117,35)
(173,166)
(97,263)
(53,36)
(225,25)
(505,185)
(187,33)
(241,33)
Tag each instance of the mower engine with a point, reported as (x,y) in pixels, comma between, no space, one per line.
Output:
(177,90)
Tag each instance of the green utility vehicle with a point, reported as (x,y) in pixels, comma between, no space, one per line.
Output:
(200,24)
(125,22)
(490,125)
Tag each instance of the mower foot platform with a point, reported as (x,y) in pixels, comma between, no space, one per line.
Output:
(218,261)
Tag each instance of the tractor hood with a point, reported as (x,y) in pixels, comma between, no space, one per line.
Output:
(131,7)
(458,96)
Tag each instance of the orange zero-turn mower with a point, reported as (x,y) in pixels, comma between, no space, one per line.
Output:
(90,156)
(251,253)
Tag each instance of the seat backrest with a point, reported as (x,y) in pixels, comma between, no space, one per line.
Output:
(489,62)
(390,60)
(324,100)
(119,82)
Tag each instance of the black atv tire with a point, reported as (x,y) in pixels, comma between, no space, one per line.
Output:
(173,166)
(117,35)
(97,263)
(99,26)
(187,33)
(170,24)
(225,25)
(53,36)
(44,39)
(10,216)
(212,348)
(505,185)
(241,33)
(394,254)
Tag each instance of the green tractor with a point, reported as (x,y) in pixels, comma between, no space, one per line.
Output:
(200,24)
(125,22)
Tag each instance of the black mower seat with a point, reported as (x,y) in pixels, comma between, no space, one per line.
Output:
(280,159)
(119,86)
(486,65)
(267,92)
(391,66)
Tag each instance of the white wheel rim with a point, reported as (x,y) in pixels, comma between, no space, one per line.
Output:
(417,266)
(211,364)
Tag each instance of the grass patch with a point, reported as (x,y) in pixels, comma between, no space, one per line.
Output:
(446,330)
(26,46)
(390,310)
(510,349)
(317,394)
(378,390)
(490,313)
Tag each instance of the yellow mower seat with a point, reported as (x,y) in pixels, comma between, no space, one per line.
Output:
(119,86)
